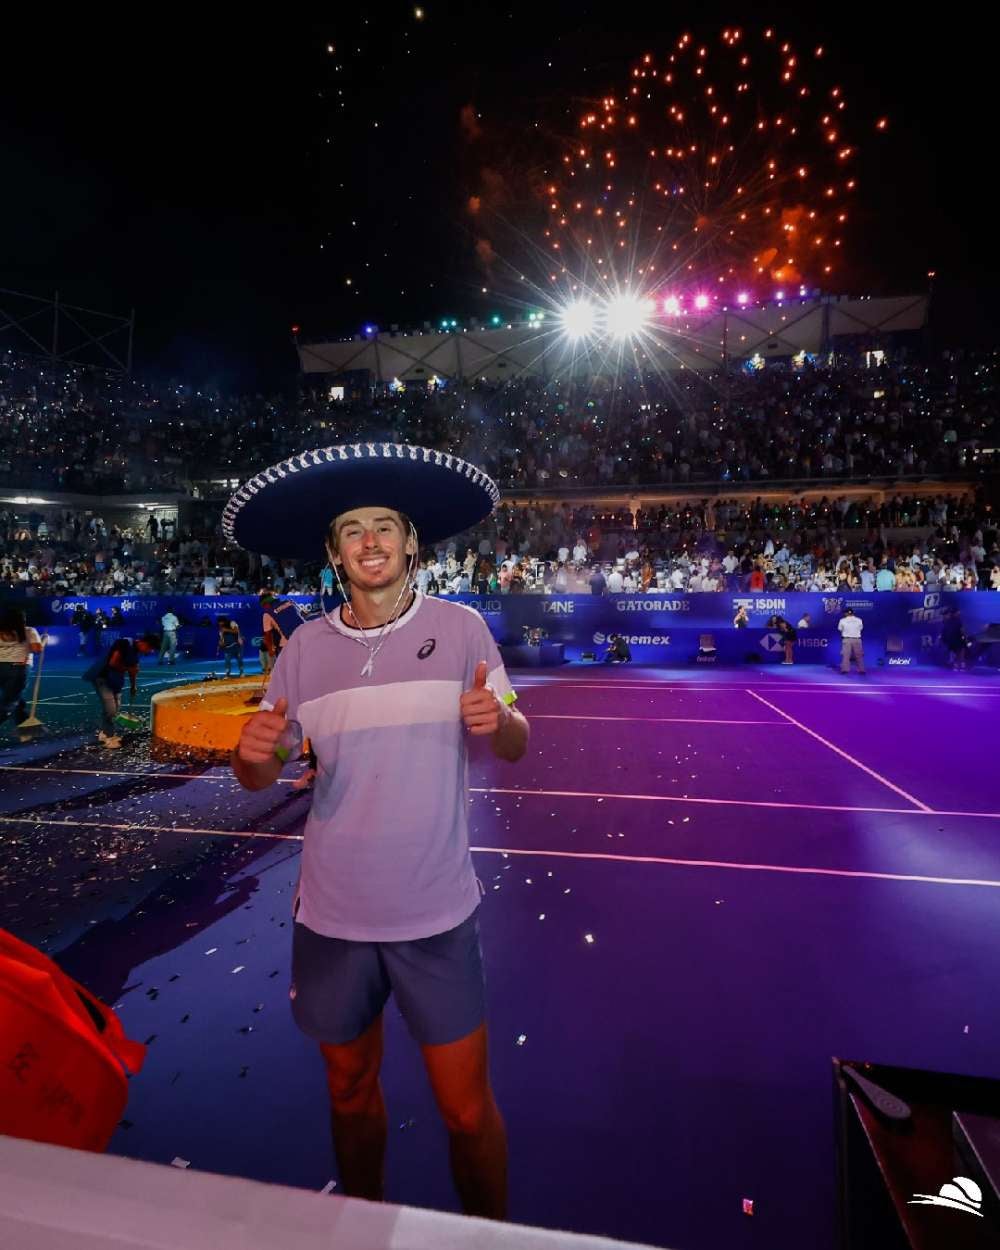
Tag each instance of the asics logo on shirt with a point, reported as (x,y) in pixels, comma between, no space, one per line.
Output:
(427,648)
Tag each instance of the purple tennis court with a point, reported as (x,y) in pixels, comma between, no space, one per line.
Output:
(698,888)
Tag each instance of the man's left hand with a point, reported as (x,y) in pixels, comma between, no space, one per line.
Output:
(482,710)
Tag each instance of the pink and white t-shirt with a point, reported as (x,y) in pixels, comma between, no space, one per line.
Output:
(386,852)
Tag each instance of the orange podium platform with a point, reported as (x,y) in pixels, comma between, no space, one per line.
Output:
(202,721)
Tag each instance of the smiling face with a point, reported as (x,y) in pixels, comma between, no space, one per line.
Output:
(372,546)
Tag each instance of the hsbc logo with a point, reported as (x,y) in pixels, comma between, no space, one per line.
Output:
(653,605)
(558,607)
(637,640)
(774,642)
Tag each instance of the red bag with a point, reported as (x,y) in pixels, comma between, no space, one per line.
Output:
(61,1054)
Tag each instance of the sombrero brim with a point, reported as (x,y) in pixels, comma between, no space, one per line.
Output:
(286,510)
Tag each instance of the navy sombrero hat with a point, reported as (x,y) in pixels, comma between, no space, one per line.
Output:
(286,510)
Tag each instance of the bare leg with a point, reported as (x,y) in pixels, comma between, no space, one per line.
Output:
(357,1113)
(459,1077)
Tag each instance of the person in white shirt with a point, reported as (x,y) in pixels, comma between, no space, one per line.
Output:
(563,554)
(850,627)
(210,585)
(616,582)
(18,642)
(580,552)
(168,642)
(678,578)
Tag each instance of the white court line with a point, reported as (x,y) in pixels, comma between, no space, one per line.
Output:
(498,850)
(843,754)
(110,772)
(825,687)
(685,798)
(548,794)
(659,720)
(134,828)
(721,863)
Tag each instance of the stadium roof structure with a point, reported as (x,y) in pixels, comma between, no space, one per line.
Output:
(693,340)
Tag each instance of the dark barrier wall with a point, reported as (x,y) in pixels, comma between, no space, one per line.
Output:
(661,629)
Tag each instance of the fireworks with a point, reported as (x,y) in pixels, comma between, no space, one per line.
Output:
(717,171)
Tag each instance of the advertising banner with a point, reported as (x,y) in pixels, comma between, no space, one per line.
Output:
(660,629)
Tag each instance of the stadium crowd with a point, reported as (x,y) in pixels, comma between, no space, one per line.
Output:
(65,428)
(905,543)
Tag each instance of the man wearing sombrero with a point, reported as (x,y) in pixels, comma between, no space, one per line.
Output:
(385,689)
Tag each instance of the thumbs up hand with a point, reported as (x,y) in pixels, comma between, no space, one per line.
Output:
(482,711)
(261,733)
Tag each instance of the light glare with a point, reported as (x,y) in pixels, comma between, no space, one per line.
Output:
(626,316)
(578,319)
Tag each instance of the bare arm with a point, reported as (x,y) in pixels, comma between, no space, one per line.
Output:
(510,741)
(255,776)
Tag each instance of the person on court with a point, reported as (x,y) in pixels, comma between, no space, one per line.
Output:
(389,689)
(107,676)
(231,644)
(18,642)
(851,628)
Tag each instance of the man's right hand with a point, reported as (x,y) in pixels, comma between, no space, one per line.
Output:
(261,734)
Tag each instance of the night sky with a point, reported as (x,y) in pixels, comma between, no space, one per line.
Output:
(226,176)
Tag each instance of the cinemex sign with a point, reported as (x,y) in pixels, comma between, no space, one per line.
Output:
(653,605)
(636,640)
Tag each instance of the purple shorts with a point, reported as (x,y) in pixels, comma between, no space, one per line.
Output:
(339,988)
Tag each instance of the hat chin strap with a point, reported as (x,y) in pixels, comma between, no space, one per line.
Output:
(407,584)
